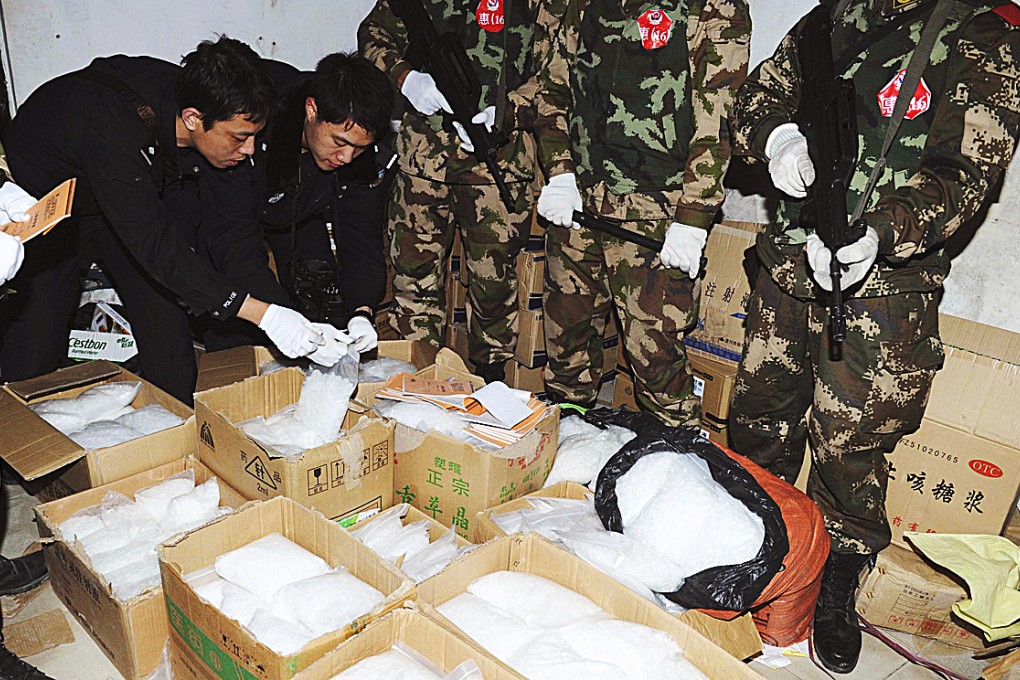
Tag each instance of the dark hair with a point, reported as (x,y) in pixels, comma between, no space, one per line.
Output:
(223,79)
(347,87)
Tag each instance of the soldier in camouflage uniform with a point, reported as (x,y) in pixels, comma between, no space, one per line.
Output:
(648,87)
(441,187)
(956,140)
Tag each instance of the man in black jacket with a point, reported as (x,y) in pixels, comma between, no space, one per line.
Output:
(157,150)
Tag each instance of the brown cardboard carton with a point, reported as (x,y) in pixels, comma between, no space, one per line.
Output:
(623,391)
(714,379)
(906,593)
(523,378)
(352,475)
(724,291)
(416,630)
(34,448)
(716,431)
(738,636)
(206,644)
(228,366)
(457,340)
(131,633)
(530,279)
(530,350)
(416,352)
(535,555)
(960,471)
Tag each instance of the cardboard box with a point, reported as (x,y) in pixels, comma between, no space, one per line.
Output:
(228,366)
(535,555)
(716,431)
(452,480)
(530,351)
(906,593)
(416,630)
(34,448)
(959,473)
(340,480)
(131,633)
(206,644)
(523,378)
(724,291)
(623,391)
(457,340)
(738,636)
(530,279)
(714,380)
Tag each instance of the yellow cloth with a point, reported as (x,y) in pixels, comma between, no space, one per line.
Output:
(991,567)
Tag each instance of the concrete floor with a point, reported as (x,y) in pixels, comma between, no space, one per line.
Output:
(83,660)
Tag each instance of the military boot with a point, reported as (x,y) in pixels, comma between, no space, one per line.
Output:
(21,574)
(13,668)
(490,373)
(837,637)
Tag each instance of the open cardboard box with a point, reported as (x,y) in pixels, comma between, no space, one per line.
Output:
(535,555)
(341,479)
(737,636)
(35,448)
(416,630)
(206,644)
(131,633)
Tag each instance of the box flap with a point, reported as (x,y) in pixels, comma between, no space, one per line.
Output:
(65,378)
(216,369)
(989,341)
(447,358)
(29,444)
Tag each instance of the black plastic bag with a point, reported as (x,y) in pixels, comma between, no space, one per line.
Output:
(732,587)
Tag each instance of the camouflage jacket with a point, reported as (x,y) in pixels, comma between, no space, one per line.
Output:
(643,124)
(949,153)
(424,147)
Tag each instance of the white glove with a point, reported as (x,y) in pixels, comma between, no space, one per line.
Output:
(559,199)
(334,347)
(12,254)
(420,89)
(486,117)
(293,334)
(789,163)
(683,247)
(362,333)
(856,257)
(14,203)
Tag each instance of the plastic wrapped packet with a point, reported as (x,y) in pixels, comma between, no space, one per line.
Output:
(584,448)
(494,629)
(238,604)
(282,636)
(67,423)
(325,396)
(282,432)
(150,419)
(534,600)
(325,603)
(81,524)
(154,499)
(96,403)
(426,417)
(402,662)
(381,369)
(626,560)
(102,434)
(432,559)
(551,658)
(264,566)
(194,508)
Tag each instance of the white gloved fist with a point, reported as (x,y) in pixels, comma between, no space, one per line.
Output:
(334,347)
(293,334)
(12,254)
(420,89)
(857,258)
(789,162)
(363,334)
(683,247)
(559,199)
(14,203)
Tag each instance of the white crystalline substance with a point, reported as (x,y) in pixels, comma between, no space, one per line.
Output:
(326,603)
(389,665)
(150,419)
(323,403)
(495,630)
(671,504)
(80,524)
(192,509)
(137,577)
(641,651)
(280,635)
(212,592)
(551,658)
(154,499)
(268,564)
(550,516)
(432,559)
(97,403)
(282,432)
(394,540)
(584,449)
(238,604)
(104,433)
(534,600)
(65,422)
(380,370)
(424,417)
(625,559)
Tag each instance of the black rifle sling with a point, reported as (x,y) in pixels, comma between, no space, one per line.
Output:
(875,35)
(501,89)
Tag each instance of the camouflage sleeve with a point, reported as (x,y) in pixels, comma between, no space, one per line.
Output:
(767,99)
(382,39)
(969,145)
(523,108)
(719,39)
(553,97)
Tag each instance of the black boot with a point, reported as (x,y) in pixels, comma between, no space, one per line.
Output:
(22,574)
(490,373)
(837,637)
(13,668)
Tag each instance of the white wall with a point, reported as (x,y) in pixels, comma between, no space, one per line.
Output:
(50,37)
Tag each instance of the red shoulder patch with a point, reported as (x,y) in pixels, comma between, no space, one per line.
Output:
(1010,13)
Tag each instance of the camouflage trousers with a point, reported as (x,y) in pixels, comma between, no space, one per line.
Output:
(587,275)
(859,406)
(423,217)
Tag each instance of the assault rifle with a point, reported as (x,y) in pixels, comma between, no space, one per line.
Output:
(827,117)
(443,57)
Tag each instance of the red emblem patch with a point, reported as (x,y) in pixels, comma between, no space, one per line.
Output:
(888,94)
(1010,13)
(490,15)
(656,28)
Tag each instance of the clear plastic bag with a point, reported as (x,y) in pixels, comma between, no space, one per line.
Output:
(432,559)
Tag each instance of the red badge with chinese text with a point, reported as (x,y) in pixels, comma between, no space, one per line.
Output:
(655,27)
(918,105)
(490,15)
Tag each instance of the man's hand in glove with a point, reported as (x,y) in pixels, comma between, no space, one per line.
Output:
(334,347)
(683,247)
(789,163)
(293,334)
(857,258)
(486,117)
(14,203)
(12,253)
(362,333)
(420,89)
(559,199)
